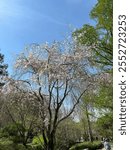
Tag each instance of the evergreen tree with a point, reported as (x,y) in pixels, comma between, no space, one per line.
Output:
(3,70)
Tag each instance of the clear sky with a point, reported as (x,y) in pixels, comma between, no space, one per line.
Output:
(23,22)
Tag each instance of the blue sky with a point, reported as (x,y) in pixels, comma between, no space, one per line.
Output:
(23,22)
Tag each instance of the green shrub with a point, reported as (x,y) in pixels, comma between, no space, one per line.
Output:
(36,147)
(7,144)
(37,140)
(89,145)
(5,141)
(37,143)
(12,131)
(11,146)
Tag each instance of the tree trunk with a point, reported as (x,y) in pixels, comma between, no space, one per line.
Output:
(50,145)
(89,127)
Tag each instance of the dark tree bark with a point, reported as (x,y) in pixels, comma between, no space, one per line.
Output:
(89,126)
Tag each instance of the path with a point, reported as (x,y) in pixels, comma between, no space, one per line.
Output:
(104,148)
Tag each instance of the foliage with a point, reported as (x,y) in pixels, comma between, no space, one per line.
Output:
(38,140)
(3,70)
(87,35)
(19,107)
(11,131)
(104,125)
(7,144)
(103,100)
(96,103)
(103,14)
(37,143)
(5,141)
(104,106)
(100,35)
(89,145)
(68,133)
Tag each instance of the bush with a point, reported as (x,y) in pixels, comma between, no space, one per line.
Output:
(37,143)
(38,140)
(12,131)
(68,133)
(89,145)
(7,144)
(5,141)
(12,146)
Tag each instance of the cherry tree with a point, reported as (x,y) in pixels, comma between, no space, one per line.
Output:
(57,75)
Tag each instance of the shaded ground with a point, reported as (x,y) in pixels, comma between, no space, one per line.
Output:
(104,148)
